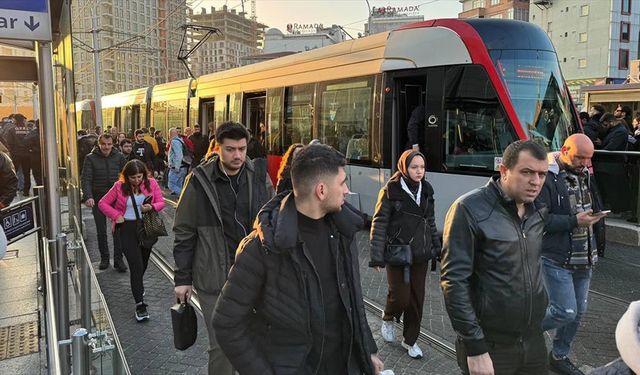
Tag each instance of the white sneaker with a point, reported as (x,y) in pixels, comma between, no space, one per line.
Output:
(388,330)
(414,351)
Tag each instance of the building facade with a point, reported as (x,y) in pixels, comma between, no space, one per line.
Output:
(240,37)
(17,97)
(387,19)
(299,41)
(139,42)
(507,9)
(595,40)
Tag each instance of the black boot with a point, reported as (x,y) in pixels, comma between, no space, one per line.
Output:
(120,265)
(563,365)
(104,264)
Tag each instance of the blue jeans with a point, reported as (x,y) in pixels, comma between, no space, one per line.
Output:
(176,179)
(568,292)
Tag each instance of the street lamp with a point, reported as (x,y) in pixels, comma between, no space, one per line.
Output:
(368,18)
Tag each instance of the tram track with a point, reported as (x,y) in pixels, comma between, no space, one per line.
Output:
(424,336)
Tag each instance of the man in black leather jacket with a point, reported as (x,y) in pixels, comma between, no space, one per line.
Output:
(491,277)
(293,303)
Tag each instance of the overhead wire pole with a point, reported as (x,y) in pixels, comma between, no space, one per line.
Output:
(96,67)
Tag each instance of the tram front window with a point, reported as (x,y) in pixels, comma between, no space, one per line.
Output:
(537,91)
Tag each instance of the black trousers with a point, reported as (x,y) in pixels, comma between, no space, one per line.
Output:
(527,357)
(24,161)
(406,300)
(137,256)
(101,229)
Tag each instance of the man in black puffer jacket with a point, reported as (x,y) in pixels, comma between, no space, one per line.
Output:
(100,171)
(293,303)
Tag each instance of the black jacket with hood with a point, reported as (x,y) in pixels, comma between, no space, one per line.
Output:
(398,216)
(9,180)
(267,314)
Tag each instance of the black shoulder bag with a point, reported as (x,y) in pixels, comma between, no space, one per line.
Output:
(143,239)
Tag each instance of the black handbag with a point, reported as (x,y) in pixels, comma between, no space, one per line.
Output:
(399,254)
(185,325)
(144,240)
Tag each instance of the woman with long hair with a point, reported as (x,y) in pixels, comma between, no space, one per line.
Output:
(284,173)
(404,215)
(130,197)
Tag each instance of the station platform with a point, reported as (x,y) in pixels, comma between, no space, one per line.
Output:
(21,347)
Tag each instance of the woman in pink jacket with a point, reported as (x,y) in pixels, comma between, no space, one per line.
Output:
(134,185)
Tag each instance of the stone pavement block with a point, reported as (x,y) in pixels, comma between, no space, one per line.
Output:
(148,343)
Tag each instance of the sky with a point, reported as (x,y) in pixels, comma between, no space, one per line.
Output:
(350,14)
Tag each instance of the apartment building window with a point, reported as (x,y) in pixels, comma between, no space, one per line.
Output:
(509,14)
(625,31)
(626,6)
(495,2)
(582,37)
(584,10)
(478,4)
(582,63)
(623,62)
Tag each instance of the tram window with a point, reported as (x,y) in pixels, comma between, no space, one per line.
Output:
(274,110)
(220,109)
(477,129)
(143,115)
(107,117)
(345,117)
(235,107)
(298,116)
(159,116)
(176,115)
(127,119)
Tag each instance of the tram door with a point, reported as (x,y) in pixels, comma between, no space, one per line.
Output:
(254,115)
(420,100)
(207,116)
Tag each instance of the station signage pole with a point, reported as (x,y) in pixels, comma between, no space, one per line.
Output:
(30,20)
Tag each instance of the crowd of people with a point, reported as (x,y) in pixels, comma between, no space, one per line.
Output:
(20,140)
(276,271)
(616,175)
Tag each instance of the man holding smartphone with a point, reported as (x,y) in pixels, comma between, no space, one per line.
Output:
(569,246)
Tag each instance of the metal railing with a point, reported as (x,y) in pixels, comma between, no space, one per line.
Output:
(617,175)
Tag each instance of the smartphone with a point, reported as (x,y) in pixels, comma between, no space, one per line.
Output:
(599,213)
(147,199)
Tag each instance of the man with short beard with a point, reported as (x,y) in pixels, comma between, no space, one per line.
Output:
(101,169)
(126,147)
(569,246)
(293,301)
(218,204)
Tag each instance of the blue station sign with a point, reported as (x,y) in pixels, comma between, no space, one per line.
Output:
(25,20)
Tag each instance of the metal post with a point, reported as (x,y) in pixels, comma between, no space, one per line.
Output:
(637,213)
(62,300)
(85,286)
(48,136)
(80,349)
(96,67)
(368,19)
(34,101)
(40,215)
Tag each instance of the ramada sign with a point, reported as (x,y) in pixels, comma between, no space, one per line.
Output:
(392,11)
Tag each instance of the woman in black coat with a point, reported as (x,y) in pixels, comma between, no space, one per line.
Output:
(405,215)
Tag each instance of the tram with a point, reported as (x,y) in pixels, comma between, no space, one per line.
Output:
(481,83)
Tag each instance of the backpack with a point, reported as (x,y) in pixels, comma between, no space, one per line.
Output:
(187,154)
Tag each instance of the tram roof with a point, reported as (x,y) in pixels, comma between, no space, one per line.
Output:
(126,98)
(399,49)
(176,90)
